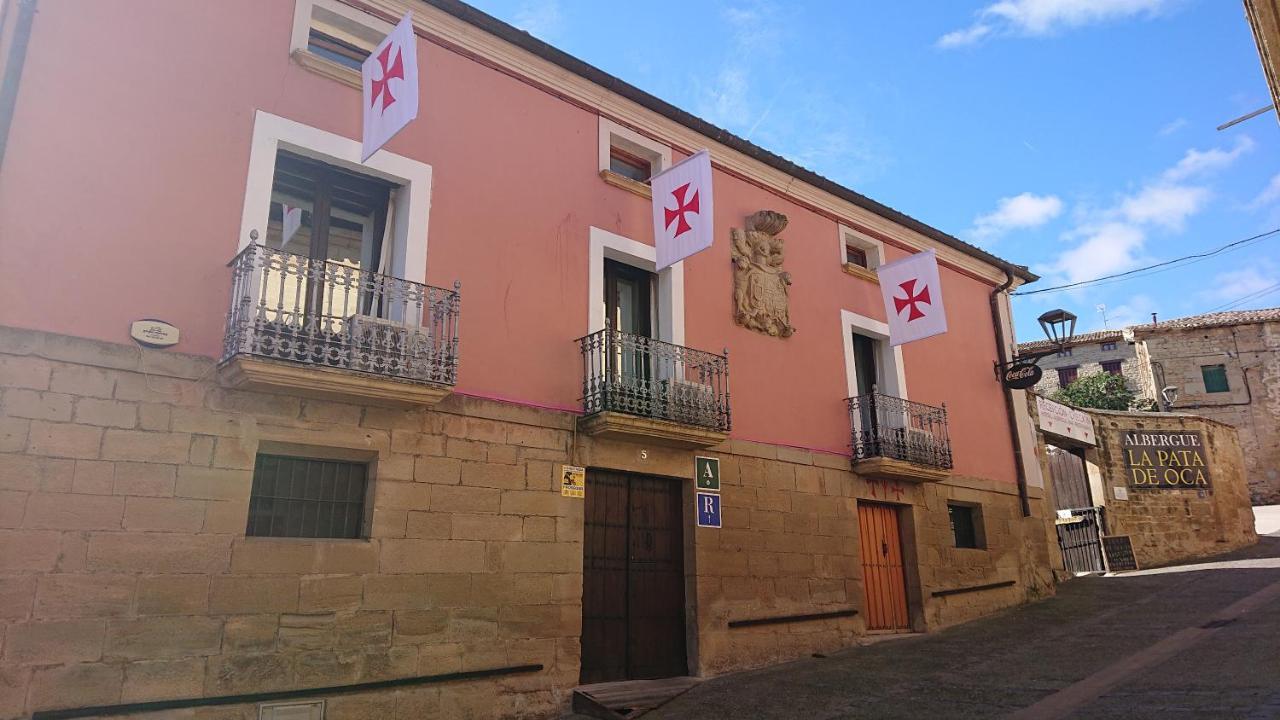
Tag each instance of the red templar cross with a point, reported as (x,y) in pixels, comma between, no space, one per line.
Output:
(912,300)
(682,207)
(382,88)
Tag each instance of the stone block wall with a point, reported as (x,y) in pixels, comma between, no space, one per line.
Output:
(1088,358)
(1176,525)
(126,576)
(1251,354)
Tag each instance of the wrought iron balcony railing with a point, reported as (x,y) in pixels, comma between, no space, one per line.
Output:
(323,313)
(890,427)
(649,378)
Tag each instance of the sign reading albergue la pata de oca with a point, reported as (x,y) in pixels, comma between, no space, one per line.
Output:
(1165,459)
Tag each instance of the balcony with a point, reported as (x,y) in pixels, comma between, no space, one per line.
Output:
(638,388)
(897,439)
(322,328)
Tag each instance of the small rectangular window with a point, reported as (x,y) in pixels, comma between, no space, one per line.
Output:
(966,525)
(336,49)
(1215,378)
(1108,346)
(307,498)
(630,165)
(1066,376)
(855,256)
(1115,367)
(1064,352)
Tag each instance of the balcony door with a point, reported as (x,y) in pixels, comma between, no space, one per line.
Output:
(629,311)
(332,223)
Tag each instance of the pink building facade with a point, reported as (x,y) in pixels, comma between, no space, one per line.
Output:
(419,335)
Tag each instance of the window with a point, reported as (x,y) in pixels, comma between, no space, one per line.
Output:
(869,359)
(1114,367)
(334,39)
(630,165)
(865,350)
(1215,378)
(665,289)
(855,256)
(628,159)
(408,182)
(1108,346)
(860,253)
(966,525)
(336,49)
(335,216)
(1064,352)
(307,498)
(1066,376)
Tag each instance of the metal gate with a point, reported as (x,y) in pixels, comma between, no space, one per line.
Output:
(1080,538)
(1080,524)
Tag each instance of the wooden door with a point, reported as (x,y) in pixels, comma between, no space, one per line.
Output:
(883,574)
(632,579)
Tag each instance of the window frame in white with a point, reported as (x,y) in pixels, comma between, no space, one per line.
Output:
(871,246)
(670,306)
(632,142)
(300,33)
(895,382)
(272,133)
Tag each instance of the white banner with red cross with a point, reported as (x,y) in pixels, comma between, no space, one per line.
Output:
(913,298)
(390,79)
(682,218)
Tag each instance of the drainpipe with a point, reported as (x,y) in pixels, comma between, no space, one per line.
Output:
(13,68)
(1003,357)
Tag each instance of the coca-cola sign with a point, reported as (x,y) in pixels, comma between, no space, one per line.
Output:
(1023,375)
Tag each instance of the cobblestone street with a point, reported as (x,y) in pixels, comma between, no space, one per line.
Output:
(1196,641)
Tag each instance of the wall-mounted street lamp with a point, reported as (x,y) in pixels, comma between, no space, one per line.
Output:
(1023,371)
(1170,395)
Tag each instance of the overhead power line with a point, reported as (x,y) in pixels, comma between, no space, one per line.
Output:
(1186,259)
(1251,296)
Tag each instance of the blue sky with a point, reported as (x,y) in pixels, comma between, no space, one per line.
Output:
(1074,136)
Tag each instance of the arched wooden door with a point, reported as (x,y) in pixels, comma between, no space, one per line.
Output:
(884,577)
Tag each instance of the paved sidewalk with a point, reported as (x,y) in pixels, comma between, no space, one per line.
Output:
(1128,646)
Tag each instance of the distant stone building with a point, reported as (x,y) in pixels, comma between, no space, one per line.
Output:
(1086,354)
(1225,366)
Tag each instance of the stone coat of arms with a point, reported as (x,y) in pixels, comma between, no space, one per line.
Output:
(760,285)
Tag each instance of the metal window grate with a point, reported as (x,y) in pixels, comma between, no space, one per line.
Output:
(303,497)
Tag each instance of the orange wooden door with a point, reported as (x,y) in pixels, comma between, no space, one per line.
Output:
(883,576)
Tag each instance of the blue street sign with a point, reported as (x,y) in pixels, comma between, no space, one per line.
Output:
(708,510)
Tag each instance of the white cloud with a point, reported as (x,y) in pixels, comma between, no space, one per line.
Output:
(1172,127)
(1165,205)
(541,19)
(1107,248)
(1270,194)
(1044,17)
(1199,162)
(1018,212)
(965,36)
(1112,239)
(1235,284)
